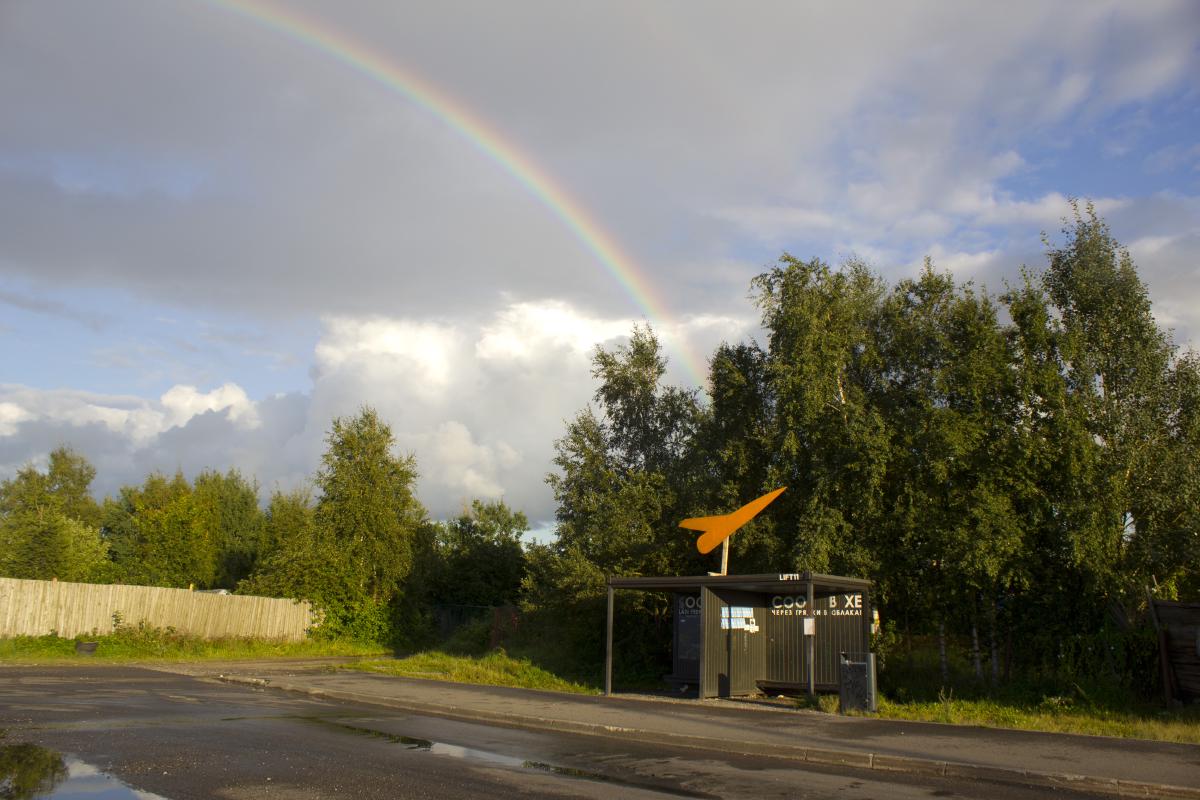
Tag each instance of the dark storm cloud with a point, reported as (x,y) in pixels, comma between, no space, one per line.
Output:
(198,157)
(53,308)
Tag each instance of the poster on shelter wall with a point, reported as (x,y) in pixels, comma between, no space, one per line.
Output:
(738,618)
(833,605)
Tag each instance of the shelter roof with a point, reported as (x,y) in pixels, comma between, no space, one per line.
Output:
(769,582)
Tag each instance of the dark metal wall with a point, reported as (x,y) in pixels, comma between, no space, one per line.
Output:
(842,625)
(743,622)
(714,659)
(753,640)
(786,656)
(686,644)
(735,640)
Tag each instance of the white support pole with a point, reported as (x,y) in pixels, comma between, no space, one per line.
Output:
(812,642)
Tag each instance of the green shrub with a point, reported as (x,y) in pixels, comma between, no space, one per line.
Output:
(471,639)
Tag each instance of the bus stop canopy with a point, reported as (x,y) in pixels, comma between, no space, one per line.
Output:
(806,583)
(768,582)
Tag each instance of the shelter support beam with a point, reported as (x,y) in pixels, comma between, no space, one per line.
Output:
(608,636)
(810,642)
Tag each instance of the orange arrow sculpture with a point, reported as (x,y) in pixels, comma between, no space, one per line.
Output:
(719,528)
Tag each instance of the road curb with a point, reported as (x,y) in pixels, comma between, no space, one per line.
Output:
(821,756)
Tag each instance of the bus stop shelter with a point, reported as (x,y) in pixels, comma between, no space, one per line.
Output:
(742,634)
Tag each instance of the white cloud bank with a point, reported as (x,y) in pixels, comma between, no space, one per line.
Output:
(478,404)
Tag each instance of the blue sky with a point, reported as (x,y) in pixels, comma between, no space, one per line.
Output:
(214,239)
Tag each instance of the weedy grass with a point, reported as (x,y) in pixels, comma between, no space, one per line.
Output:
(495,668)
(911,689)
(145,643)
(1057,714)
(827,703)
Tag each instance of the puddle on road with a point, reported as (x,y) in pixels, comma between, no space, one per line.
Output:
(28,772)
(413,743)
(457,751)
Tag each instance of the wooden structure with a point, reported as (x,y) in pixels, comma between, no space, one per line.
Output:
(741,634)
(1178,627)
(37,608)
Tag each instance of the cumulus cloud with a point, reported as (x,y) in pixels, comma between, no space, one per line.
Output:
(459,463)
(523,332)
(1171,269)
(10,415)
(419,355)
(134,418)
(478,403)
(181,403)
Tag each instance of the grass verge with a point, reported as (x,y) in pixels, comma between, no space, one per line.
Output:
(495,668)
(912,689)
(1053,714)
(153,644)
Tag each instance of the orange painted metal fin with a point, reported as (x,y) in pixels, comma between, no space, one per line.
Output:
(717,529)
(702,523)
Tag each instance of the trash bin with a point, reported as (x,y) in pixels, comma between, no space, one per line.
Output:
(856,684)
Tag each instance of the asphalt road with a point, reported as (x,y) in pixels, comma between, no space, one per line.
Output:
(182,737)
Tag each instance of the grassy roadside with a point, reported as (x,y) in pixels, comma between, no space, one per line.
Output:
(530,664)
(911,689)
(151,644)
(1055,716)
(496,668)
(465,659)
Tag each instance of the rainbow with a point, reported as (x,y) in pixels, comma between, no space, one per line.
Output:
(487,140)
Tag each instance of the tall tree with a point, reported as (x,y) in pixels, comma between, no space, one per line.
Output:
(1050,473)
(827,445)
(992,478)
(477,558)
(367,506)
(737,441)
(628,471)
(46,544)
(299,561)
(228,506)
(949,399)
(1176,555)
(160,536)
(69,478)
(626,474)
(289,518)
(1117,363)
(46,527)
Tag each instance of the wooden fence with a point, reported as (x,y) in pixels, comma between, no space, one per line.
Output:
(36,608)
